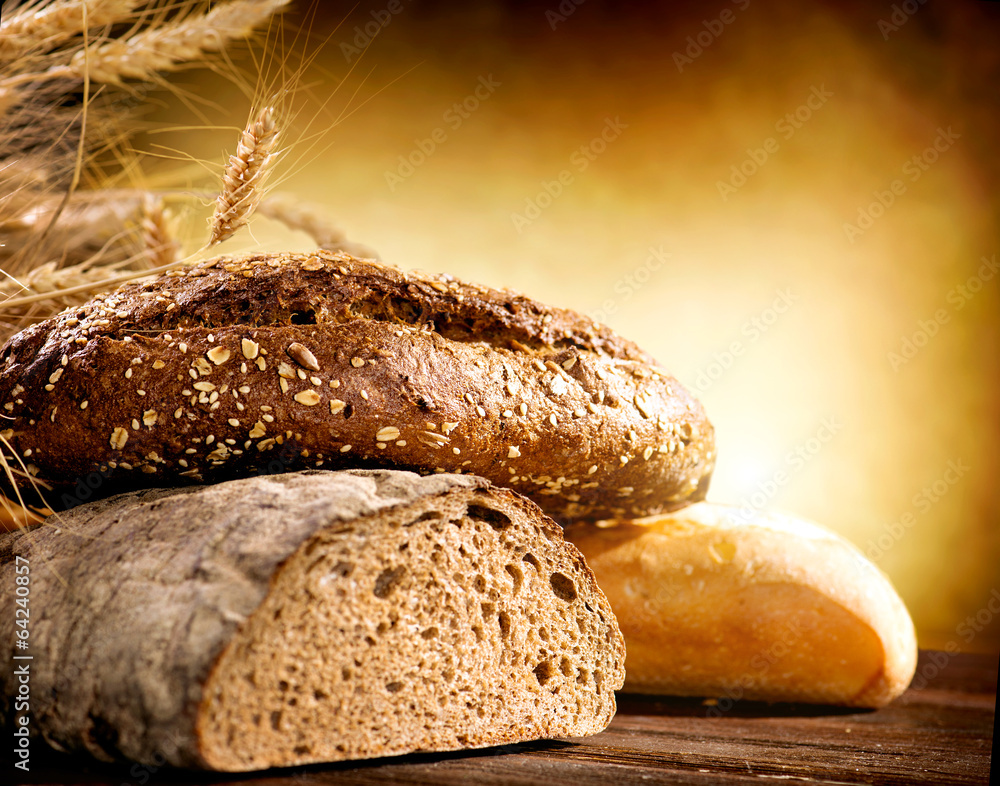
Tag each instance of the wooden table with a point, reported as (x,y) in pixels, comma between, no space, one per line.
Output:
(940,731)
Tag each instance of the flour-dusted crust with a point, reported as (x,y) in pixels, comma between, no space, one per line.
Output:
(308,617)
(268,363)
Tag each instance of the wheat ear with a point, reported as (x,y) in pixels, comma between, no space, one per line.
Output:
(158,242)
(104,283)
(51,282)
(34,29)
(303,216)
(244,176)
(311,219)
(163,48)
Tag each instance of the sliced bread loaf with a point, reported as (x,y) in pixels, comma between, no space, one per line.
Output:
(308,617)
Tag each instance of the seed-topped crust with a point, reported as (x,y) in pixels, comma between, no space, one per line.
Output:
(267,363)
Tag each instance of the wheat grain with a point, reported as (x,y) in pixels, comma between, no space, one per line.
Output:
(164,48)
(53,281)
(158,243)
(92,225)
(61,245)
(244,176)
(303,216)
(105,282)
(16,511)
(312,220)
(39,29)
(87,247)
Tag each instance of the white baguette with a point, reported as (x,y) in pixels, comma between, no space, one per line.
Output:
(772,609)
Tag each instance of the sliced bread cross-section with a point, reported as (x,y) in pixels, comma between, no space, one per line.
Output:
(310,617)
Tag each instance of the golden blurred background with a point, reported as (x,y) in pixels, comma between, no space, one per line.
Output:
(792,206)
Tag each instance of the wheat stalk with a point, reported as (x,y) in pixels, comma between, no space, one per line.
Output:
(8,96)
(51,280)
(17,512)
(57,286)
(91,223)
(14,517)
(99,281)
(244,176)
(59,244)
(89,243)
(35,29)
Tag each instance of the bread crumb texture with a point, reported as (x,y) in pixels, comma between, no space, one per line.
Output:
(311,617)
(265,363)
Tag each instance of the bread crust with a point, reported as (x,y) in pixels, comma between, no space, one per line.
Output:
(291,361)
(149,599)
(772,608)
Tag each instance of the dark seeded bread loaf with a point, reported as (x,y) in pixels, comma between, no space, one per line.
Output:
(321,360)
(308,617)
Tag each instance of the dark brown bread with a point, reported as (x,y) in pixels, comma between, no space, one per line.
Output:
(292,361)
(308,617)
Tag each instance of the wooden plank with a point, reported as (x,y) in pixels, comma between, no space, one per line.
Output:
(940,731)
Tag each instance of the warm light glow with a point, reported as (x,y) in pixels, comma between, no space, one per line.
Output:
(850,371)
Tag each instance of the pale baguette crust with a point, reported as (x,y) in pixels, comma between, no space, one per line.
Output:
(772,609)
